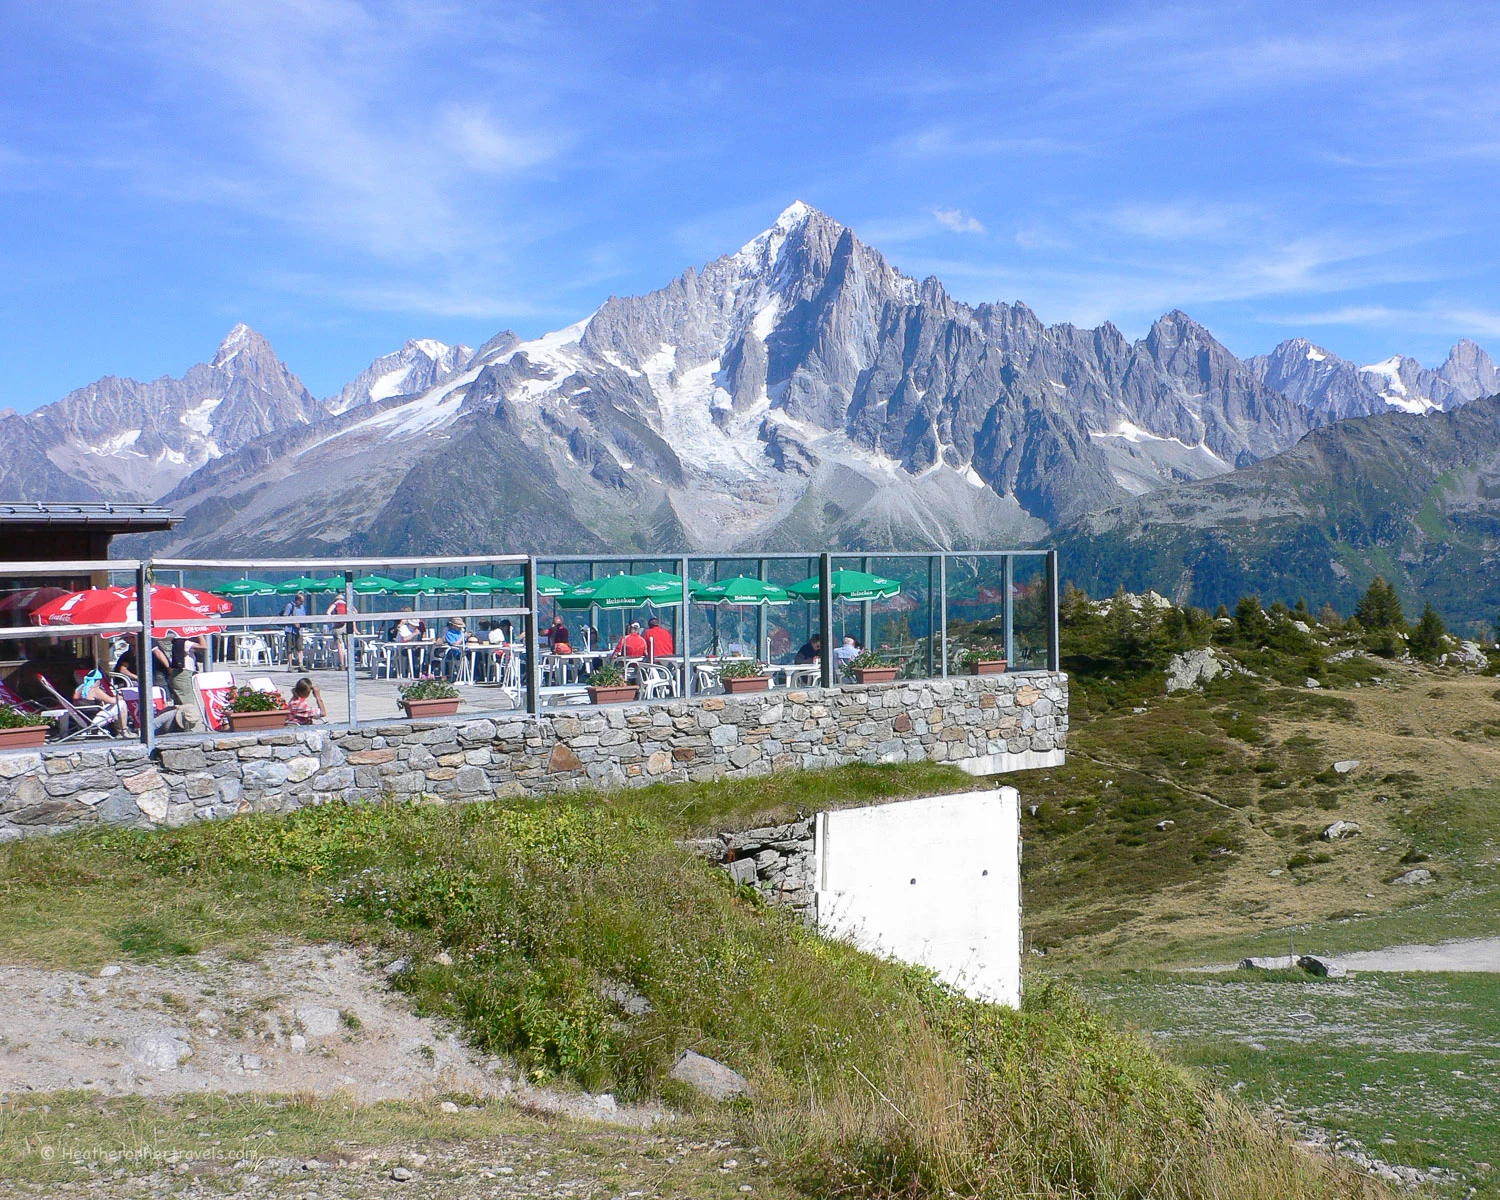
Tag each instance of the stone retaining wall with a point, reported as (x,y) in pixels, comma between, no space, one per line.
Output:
(986,723)
(778,860)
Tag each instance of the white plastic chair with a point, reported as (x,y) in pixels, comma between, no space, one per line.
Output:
(252,650)
(706,679)
(656,682)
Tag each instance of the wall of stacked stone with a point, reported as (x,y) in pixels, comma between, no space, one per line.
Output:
(777,860)
(986,723)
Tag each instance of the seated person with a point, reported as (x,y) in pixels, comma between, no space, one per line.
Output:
(658,639)
(125,664)
(455,637)
(409,629)
(811,651)
(847,652)
(306,704)
(94,689)
(505,634)
(556,637)
(632,644)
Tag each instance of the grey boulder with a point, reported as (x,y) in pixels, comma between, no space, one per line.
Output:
(710,1078)
(1339,830)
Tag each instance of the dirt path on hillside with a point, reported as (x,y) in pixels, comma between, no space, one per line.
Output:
(1473,954)
(300,1020)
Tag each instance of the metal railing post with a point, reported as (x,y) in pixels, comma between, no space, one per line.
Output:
(867,628)
(931,616)
(943,612)
(1054,647)
(825,616)
(762,618)
(533,641)
(1008,608)
(144,668)
(686,649)
(349,644)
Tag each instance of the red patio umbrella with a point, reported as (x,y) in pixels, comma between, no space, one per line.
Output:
(174,610)
(31,598)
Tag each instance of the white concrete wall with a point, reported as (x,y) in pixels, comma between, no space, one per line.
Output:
(935,881)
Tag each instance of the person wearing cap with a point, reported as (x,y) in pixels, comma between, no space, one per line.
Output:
(454,638)
(658,639)
(632,644)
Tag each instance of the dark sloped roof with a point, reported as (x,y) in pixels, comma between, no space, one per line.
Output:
(135,518)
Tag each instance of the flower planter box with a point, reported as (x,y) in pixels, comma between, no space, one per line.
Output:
(875,674)
(612,695)
(417,709)
(273,718)
(23,737)
(746,683)
(988,666)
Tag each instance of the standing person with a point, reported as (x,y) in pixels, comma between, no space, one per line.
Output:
(658,639)
(295,607)
(179,682)
(340,608)
(557,637)
(306,704)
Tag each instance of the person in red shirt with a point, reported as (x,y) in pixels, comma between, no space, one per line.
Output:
(658,639)
(632,645)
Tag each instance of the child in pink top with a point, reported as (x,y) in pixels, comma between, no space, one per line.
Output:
(306,704)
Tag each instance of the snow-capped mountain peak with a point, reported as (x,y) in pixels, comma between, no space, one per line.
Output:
(420,364)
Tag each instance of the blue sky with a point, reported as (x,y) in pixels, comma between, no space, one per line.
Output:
(344,175)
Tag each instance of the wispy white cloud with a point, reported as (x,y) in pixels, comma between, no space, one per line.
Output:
(316,133)
(957,221)
(1441,319)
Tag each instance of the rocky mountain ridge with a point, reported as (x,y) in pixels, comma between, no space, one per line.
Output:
(1413,498)
(799,392)
(1336,388)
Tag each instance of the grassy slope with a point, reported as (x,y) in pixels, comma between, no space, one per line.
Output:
(869,1079)
(1389,1061)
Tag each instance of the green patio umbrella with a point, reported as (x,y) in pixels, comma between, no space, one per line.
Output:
(372,585)
(245,587)
(483,584)
(303,583)
(743,590)
(546,585)
(422,585)
(849,585)
(616,591)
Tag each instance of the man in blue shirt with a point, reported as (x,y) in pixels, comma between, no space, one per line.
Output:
(454,638)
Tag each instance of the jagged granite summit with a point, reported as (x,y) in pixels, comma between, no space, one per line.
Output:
(119,439)
(799,392)
(1335,389)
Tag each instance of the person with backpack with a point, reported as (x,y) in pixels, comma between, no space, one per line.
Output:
(295,607)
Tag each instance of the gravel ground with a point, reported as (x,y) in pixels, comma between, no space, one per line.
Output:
(302,1020)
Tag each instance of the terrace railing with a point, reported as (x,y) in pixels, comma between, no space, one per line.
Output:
(1005,600)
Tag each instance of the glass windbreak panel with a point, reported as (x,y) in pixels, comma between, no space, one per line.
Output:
(1032,627)
(900,628)
(790,628)
(976,612)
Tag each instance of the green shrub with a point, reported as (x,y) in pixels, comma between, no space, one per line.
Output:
(609,675)
(429,689)
(248,700)
(741,669)
(15,718)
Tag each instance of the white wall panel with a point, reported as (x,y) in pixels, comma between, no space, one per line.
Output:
(935,881)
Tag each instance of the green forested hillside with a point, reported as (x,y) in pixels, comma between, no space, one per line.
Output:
(1415,499)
